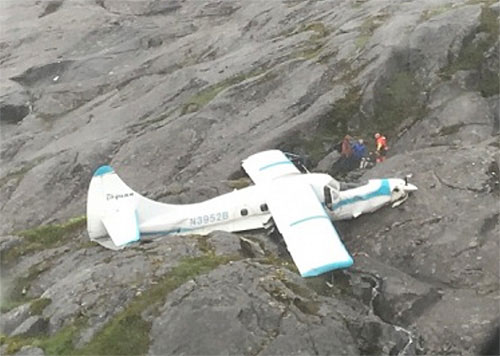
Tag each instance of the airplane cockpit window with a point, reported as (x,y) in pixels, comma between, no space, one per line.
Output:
(298,161)
(333,184)
(331,193)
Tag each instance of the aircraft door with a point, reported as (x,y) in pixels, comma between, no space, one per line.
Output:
(332,197)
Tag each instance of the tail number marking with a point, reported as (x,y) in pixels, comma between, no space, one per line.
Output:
(209,218)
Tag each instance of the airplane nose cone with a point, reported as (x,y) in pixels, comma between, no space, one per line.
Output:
(409,187)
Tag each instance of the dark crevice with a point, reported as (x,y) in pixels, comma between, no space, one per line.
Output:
(52,6)
(12,114)
(466,189)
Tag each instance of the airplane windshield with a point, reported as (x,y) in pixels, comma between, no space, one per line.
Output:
(334,184)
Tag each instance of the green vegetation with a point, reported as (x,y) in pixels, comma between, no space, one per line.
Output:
(315,43)
(368,27)
(60,343)
(16,294)
(127,333)
(435,11)
(145,121)
(398,100)
(309,52)
(19,173)
(292,3)
(318,28)
(317,141)
(485,2)
(472,54)
(42,237)
(38,305)
(313,46)
(271,259)
(204,245)
(305,303)
(201,99)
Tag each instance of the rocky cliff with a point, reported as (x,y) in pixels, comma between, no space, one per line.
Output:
(173,94)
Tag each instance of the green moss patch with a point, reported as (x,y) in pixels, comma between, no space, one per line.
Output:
(473,53)
(38,305)
(60,343)
(435,11)
(398,99)
(317,141)
(318,28)
(201,99)
(128,333)
(41,238)
(18,174)
(17,293)
(368,27)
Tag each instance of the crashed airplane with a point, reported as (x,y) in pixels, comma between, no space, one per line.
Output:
(302,207)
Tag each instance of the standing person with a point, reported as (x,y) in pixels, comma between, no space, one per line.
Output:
(380,147)
(346,150)
(359,152)
(346,153)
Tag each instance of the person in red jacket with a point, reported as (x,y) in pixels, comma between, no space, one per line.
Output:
(380,147)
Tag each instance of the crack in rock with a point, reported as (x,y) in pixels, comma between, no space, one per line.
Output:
(375,292)
(451,186)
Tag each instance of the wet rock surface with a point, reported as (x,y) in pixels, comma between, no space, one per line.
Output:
(174,94)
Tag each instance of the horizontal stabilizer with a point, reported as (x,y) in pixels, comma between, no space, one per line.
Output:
(121,225)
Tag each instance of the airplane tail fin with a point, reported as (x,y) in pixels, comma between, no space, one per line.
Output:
(115,210)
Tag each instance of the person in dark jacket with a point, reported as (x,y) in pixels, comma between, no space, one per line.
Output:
(359,153)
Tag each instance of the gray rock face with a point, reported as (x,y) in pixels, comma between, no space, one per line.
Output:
(32,326)
(30,351)
(174,94)
(222,313)
(14,318)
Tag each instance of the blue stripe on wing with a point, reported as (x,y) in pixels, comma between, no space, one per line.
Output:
(274,164)
(309,218)
(329,267)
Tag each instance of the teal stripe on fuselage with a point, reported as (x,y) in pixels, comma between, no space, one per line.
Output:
(384,189)
(309,218)
(168,232)
(274,164)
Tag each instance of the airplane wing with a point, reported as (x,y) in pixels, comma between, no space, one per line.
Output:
(311,239)
(266,166)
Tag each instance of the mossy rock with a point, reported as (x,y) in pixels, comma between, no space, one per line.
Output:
(473,54)
(38,305)
(41,238)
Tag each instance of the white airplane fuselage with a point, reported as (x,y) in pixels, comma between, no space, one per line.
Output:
(301,207)
(245,209)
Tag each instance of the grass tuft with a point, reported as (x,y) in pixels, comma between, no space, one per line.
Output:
(41,238)
(38,305)
(127,333)
(201,99)
(473,53)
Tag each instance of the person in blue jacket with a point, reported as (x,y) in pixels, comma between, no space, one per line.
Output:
(359,152)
